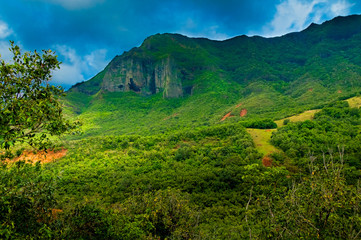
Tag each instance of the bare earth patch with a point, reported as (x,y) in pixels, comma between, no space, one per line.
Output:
(239,105)
(226,116)
(42,156)
(267,161)
(243,113)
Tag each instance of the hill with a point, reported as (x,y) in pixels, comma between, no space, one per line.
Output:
(197,81)
(191,149)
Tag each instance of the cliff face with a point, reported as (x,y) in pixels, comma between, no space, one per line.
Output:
(143,75)
(160,65)
(176,66)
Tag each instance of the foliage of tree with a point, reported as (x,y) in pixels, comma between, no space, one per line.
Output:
(26,201)
(260,124)
(205,183)
(321,206)
(29,106)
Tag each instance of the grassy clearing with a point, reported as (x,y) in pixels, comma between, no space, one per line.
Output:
(261,138)
(307,115)
(354,102)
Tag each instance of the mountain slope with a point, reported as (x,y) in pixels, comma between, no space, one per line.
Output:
(173,81)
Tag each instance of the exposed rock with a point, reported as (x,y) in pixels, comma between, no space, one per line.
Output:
(143,75)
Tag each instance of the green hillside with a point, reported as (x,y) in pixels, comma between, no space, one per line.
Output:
(186,138)
(205,183)
(271,77)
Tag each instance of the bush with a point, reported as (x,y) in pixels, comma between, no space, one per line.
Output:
(260,124)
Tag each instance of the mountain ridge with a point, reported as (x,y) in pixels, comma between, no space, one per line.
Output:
(159,63)
(271,77)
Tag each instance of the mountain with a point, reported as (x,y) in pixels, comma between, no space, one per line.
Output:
(181,157)
(173,76)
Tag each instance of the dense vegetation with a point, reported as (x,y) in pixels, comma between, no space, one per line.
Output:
(187,168)
(271,77)
(201,184)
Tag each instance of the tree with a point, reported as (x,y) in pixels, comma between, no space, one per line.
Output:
(30,110)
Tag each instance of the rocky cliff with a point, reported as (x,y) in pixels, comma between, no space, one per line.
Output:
(143,75)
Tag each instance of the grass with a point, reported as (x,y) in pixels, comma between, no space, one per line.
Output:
(307,115)
(261,138)
(354,102)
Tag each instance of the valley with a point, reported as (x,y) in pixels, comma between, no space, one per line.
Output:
(191,138)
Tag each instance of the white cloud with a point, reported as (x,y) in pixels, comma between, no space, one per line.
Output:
(5,53)
(68,74)
(76,68)
(213,33)
(75,4)
(97,59)
(192,29)
(341,8)
(5,31)
(295,15)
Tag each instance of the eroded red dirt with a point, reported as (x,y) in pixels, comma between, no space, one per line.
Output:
(267,161)
(42,156)
(226,116)
(239,105)
(243,113)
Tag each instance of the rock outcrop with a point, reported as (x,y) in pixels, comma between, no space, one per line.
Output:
(143,75)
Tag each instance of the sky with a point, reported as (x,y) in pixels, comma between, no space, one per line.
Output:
(88,34)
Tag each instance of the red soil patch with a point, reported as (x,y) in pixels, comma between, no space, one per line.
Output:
(42,156)
(243,113)
(226,116)
(51,215)
(267,161)
(55,212)
(310,90)
(339,91)
(239,105)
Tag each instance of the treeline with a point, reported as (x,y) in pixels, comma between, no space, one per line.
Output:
(334,132)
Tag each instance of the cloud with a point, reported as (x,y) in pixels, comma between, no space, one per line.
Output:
(341,8)
(192,28)
(71,69)
(76,68)
(97,59)
(211,32)
(81,27)
(295,15)
(5,53)
(5,31)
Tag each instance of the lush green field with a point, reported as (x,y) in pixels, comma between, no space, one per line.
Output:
(261,139)
(203,183)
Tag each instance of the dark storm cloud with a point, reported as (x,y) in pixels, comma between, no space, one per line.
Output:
(88,33)
(124,24)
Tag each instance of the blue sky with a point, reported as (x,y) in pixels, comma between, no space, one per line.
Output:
(87,34)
